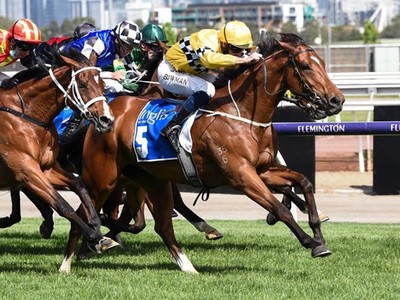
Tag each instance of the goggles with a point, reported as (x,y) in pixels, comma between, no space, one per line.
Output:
(24,46)
(236,50)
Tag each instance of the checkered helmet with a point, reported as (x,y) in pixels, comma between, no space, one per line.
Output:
(128,32)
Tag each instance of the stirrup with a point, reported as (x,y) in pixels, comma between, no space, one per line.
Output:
(173,136)
(167,130)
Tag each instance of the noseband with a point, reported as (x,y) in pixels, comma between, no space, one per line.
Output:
(76,98)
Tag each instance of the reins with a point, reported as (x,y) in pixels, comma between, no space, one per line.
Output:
(76,98)
(22,114)
(26,117)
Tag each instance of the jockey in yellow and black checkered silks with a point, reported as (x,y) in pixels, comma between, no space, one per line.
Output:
(186,67)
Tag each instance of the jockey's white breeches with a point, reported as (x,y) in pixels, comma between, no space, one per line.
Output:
(184,84)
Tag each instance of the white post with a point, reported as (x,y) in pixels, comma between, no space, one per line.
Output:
(281,160)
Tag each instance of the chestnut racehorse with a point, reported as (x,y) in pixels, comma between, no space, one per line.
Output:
(233,142)
(29,139)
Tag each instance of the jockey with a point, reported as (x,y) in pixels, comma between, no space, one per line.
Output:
(18,43)
(184,70)
(149,48)
(144,58)
(110,44)
(150,52)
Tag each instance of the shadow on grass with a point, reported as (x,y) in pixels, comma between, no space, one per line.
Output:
(134,256)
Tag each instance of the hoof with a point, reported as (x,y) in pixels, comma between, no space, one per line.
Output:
(215,235)
(103,245)
(323,217)
(46,230)
(271,219)
(320,251)
(82,256)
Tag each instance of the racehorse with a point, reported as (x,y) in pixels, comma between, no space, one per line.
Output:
(233,141)
(29,139)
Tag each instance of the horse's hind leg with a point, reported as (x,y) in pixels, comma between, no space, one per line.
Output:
(15,215)
(201,225)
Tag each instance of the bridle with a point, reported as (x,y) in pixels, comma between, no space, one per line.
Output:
(309,95)
(76,98)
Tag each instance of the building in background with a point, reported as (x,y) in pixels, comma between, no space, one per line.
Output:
(204,13)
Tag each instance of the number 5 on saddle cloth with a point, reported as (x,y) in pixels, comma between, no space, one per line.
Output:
(150,146)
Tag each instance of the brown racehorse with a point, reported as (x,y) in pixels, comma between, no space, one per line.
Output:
(29,139)
(233,142)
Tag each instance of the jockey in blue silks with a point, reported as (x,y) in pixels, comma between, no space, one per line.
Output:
(109,45)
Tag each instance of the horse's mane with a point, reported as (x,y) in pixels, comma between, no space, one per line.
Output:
(267,46)
(46,55)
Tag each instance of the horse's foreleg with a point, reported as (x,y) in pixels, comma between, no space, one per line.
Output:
(201,225)
(301,204)
(59,178)
(254,187)
(62,179)
(162,200)
(15,215)
(47,226)
(283,179)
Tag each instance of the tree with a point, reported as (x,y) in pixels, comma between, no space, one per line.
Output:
(5,23)
(370,35)
(310,31)
(289,27)
(66,29)
(170,33)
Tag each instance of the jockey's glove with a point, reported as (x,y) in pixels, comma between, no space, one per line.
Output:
(129,85)
(9,83)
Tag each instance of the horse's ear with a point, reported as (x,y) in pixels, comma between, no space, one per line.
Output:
(93,58)
(69,61)
(286,46)
(164,47)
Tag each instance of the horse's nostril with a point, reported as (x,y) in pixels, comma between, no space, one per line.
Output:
(335,102)
(107,121)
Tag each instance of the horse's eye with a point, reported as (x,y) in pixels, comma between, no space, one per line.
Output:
(82,85)
(305,67)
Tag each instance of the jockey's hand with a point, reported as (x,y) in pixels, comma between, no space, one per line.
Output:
(131,74)
(253,58)
(9,83)
(118,75)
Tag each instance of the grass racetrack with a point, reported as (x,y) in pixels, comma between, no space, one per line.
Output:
(252,261)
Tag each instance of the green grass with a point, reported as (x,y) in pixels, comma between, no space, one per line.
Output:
(251,261)
(347,116)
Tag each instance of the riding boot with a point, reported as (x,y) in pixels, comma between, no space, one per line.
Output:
(191,104)
(172,129)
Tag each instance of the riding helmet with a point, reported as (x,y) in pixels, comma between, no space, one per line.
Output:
(83,29)
(24,30)
(151,33)
(128,32)
(236,33)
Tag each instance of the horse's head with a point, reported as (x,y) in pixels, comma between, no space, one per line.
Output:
(85,91)
(308,80)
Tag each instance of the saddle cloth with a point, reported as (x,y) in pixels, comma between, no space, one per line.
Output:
(148,144)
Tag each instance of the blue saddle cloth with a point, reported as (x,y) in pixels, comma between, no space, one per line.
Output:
(147,142)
